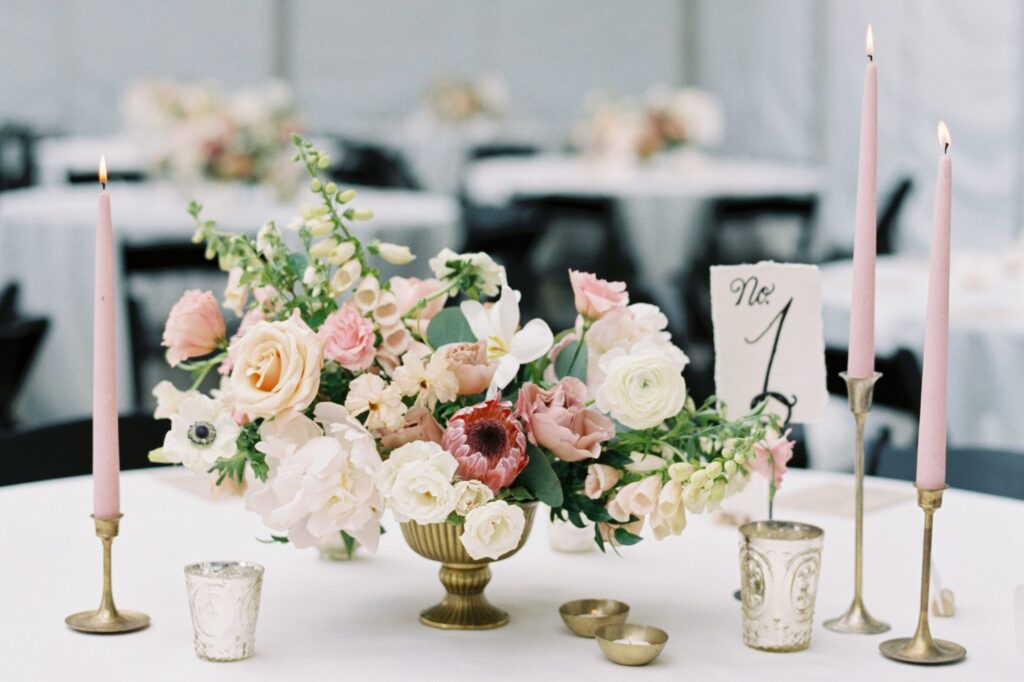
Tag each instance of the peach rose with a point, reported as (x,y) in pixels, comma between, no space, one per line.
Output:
(558,419)
(195,327)
(348,338)
(594,297)
(252,317)
(277,367)
(469,363)
(637,499)
(600,479)
(409,291)
(419,425)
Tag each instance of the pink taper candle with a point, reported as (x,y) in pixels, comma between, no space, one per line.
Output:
(861,358)
(106,496)
(931,440)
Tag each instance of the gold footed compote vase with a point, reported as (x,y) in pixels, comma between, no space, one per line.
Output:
(464,606)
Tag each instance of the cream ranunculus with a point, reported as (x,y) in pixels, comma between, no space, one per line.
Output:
(493,530)
(642,389)
(276,367)
(417,482)
(471,494)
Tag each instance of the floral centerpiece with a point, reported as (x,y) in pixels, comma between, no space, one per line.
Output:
(662,121)
(343,394)
(458,100)
(197,130)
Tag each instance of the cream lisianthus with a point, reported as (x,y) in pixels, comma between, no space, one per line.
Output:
(276,367)
(417,482)
(430,382)
(493,530)
(498,329)
(471,494)
(201,432)
(380,401)
(641,389)
(479,270)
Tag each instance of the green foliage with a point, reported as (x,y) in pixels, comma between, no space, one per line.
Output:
(539,478)
(350,544)
(234,467)
(624,537)
(449,325)
(572,361)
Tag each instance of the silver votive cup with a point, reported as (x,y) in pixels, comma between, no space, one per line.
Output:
(779,566)
(224,597)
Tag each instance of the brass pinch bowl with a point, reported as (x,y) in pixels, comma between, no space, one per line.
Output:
(584,616)
(631,644)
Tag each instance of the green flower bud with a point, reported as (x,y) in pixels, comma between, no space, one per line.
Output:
(346,196)
(330,188)
(323,162)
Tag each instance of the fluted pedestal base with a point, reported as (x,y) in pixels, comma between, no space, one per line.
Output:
(464,607)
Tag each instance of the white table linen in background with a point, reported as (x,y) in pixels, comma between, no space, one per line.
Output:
(986,338)
(660,202)
(47,242)
(358,620)
(58,156)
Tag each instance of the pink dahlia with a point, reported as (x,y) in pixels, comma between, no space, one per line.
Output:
(488,443)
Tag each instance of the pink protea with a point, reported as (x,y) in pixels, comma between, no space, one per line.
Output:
(488,443)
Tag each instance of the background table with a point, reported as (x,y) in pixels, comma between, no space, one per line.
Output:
(986,336)
(660,202)
(358,620)
(47,241)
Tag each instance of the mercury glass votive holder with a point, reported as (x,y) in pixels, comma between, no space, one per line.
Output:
(779,566)
(224,597)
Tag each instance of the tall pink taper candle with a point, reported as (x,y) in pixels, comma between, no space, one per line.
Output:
(931,440)
(861,358)
(106,496)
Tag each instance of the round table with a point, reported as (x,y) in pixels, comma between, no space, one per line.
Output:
(660,202)
(986,334)
(47,242)
(358,620)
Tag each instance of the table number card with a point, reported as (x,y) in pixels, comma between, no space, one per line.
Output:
(768,338)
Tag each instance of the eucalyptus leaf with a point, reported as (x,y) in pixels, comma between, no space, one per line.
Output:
(539,478)
(624,537)
(564,365)
(449,325)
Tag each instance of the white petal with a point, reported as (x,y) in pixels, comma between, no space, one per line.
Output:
(505,373)
(532,341)
(477,318)
(506,314)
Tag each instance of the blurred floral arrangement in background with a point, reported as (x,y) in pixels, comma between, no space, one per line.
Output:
(459,100)
(343,394)
(192,131)
(662,121)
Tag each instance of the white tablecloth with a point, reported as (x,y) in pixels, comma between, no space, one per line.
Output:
(47,241)
(358,620)
(986,336)
(660,202)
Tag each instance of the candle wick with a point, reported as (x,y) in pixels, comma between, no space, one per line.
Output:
(945,148)
(871,57)
(103,185)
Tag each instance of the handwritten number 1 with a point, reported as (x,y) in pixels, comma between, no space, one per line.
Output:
(766,393)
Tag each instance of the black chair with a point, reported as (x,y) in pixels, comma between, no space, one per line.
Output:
(888,226)
(20,340)
(995,472)
(150,261)
(78,177)
(17,157)
(62,450)
(370,165)
(9,303)
(501,149)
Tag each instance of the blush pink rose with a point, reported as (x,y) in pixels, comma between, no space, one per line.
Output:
(348,338)
(594,297)
(195,327)
(419,425)
(558,419)
(469,363)
(780,449)
(410,290)
(600,479)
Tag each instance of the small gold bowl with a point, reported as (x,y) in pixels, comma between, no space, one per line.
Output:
(631,644)
(585,616)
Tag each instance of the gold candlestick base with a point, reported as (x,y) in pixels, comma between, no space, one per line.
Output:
(922,649)
(107,619)
(857,620)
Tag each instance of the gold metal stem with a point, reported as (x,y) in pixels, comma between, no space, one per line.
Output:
(922,648)
(107,619)
(856,619)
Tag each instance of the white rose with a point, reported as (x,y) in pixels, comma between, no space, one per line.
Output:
(669,517)
(469,495)
(277,367)
(417,482)
(643,389)
(493,530)
(395,254)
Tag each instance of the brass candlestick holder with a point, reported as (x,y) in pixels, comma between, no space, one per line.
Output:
(921,648)
(857,620)
(107,619)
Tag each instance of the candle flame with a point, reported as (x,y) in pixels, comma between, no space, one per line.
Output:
(944,138)
(103,169)
(869,43)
